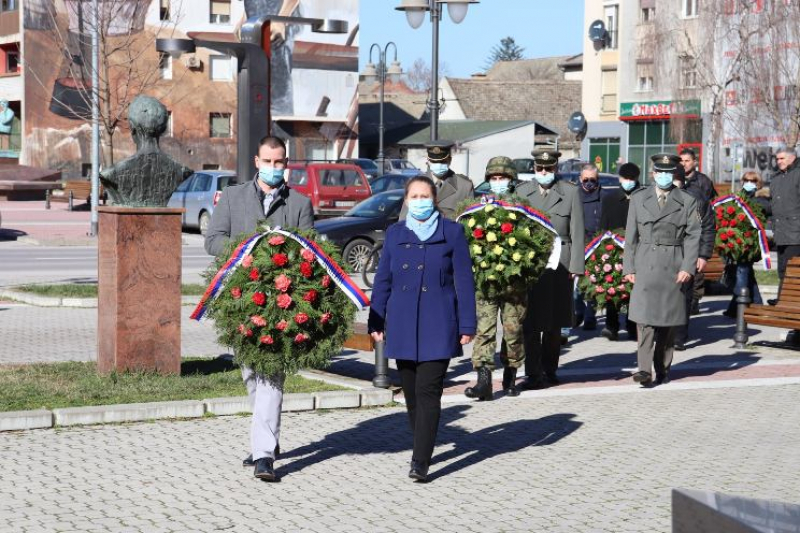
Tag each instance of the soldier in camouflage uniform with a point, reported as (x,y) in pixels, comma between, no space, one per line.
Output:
(512,305)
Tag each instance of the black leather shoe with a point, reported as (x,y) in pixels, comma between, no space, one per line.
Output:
(643,378)
(610,335)
(510,381)
(534,383)
(679,346)
(772,301)
(564,340)
(662,379)
(248,461)
(264,469)
(419,471)
(552,379)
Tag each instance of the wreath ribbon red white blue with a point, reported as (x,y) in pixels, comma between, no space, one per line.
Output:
(338,276)
(754,222)
(597,241)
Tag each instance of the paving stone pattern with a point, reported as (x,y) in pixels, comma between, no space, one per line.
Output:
(591,463)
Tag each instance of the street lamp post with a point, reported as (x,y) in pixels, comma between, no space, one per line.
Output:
(95,182)
(253,79)
(415,14)
(371,73)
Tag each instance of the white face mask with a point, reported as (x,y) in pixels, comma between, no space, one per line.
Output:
(545,179)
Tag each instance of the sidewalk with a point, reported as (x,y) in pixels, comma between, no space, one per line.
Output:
(30,222)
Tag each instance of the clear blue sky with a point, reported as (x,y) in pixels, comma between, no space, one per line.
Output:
(542,27)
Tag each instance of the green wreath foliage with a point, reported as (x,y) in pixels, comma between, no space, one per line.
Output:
(280,311)
(737,239)
(509,251)
(602,281)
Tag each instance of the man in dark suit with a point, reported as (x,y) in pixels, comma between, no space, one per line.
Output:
(591,194)
(240,209)
(614,217)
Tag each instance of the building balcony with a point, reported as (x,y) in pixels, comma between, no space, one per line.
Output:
(608,104)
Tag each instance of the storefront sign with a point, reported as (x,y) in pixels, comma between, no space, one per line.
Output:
(659,110)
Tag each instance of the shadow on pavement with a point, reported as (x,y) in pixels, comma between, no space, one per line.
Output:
(713,364)
(390,434)
(223,363)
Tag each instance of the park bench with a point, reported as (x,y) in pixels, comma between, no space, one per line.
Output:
(75,191)
(360,339)
(786,314)
(714,268)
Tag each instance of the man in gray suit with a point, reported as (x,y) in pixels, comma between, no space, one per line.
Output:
(662,240)
(550,299)
(240,209)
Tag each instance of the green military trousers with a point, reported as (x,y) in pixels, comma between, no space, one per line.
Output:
(512,308)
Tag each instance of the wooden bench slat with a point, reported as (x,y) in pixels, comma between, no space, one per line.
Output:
(775,323)
(770,311)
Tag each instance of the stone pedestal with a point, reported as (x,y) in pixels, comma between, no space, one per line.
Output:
(139,289)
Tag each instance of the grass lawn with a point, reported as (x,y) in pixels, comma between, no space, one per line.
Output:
(767,277)
(50,386)
(89,290)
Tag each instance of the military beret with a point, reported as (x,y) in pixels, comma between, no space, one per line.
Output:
(439,150)
(665,162)
(630,171)
(501,165)
(545,156)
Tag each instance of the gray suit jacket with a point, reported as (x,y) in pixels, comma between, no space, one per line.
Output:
(240,210)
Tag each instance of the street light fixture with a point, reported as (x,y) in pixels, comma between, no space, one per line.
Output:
(253,80)
(371,75)
(415,14)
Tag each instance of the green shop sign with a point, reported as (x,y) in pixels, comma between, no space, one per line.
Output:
(659,110)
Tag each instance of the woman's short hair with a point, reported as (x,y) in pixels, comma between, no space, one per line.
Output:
(749,175)
(421,178)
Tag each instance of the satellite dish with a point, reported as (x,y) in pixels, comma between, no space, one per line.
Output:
(577,123)
(597,32)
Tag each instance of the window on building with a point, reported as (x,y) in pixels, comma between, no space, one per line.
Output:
(648,14)
(8,5)
(644,76)
(609,96)
(220,11)
(210,166)
(651,137)
(168,131)
(604,152)
(220,68)
(688,73)
(689,8)
(220,125)
(163,12)
(612,25)
(165,66)
(12,61)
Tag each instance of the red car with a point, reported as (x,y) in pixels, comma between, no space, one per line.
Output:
(332,187)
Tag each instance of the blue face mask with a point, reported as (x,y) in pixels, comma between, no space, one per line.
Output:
(439,169)
(271,176)
(663,180)
(499,186)
(749,186)
(545,179)
(627,185)
(420,208)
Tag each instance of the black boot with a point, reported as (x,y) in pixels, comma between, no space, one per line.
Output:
(510,381)
(483,388)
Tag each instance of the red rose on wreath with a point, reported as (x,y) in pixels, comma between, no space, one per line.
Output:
(308,255)
(624,295)
(612,291)
(258,320)
(247,262)
(594,257)
(731,233)
(284,301)
(723,237)
(301,318)
(731,210)
(248,333)
(609,279)
(732,223)
(325,318)
(259,298)
(478,233)
(599,289)
(282,325)
(741,217)
(719,212)
(266,339)
(731,245)
(326,281)
(280,260)
(311,296)
(300,338)
(236,292)
(609,247)
(724,223)
(305,269)
(241,329)
(506,227)
(747,234)
(254,274)
(282,283)
(277,240)
(738,241)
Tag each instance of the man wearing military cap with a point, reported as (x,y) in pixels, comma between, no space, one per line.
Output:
(452,188)
(550,299)
(662,239)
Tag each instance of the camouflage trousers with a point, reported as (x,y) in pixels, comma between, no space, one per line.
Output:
(512,308)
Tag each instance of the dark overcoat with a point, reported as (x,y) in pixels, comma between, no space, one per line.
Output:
(423,297)
(658,244)
(785,190)
(550,298)
(614,211)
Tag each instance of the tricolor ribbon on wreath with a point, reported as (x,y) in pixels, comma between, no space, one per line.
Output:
(339,276)
(526,211)
(754,222)
(595,243)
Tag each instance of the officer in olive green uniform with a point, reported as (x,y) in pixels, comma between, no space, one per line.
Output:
(511,304)
(662,240)
(550,299)
(452,188)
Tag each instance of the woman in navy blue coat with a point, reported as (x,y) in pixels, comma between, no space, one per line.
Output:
(423,303)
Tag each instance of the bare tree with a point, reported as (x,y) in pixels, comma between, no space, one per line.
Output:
(128,62)
(418,77)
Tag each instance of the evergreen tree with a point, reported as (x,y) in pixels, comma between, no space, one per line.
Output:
(507,50)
